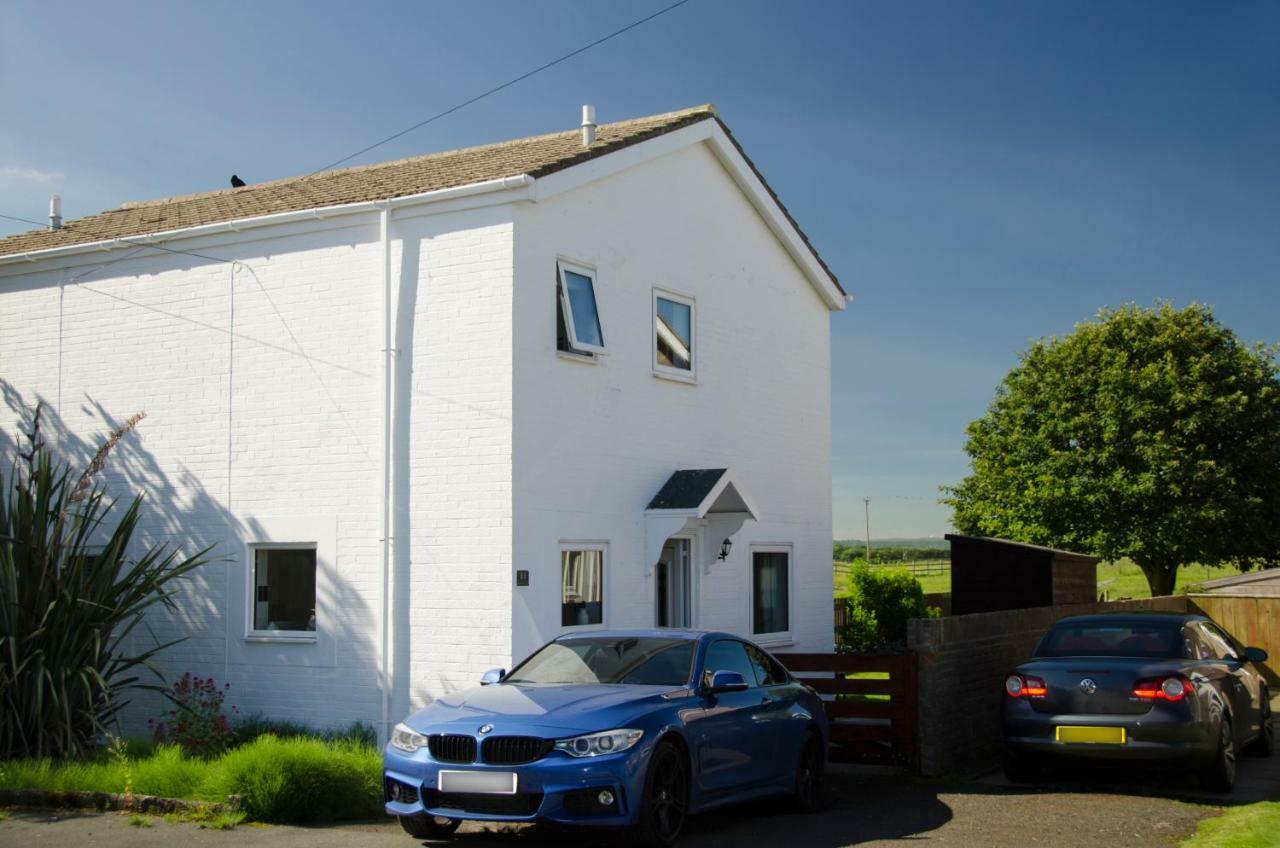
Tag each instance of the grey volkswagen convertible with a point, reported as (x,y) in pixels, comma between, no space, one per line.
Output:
(1141,688)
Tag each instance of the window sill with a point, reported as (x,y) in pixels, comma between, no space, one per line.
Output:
(675,376)
(583,358)
(775,640)
(297,639)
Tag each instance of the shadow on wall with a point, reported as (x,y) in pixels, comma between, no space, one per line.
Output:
(179,510)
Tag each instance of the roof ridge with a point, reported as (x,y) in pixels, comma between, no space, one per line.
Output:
(706,108)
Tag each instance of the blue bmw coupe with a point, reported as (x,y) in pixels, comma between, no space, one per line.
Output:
(632,729)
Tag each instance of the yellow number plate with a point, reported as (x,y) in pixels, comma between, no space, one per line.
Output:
(1091,735)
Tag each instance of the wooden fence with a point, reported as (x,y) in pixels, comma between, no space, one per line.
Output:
(1253,620)
(871,703)
(917,568)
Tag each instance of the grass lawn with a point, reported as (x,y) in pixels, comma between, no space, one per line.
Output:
(860,696)
(1250,826)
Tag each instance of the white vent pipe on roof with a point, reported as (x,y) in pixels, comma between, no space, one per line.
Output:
(55,212)
(588,125)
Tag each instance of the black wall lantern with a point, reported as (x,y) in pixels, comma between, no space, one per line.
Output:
(725,547)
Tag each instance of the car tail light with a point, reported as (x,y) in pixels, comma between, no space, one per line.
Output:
(1172,688)
(1025,686)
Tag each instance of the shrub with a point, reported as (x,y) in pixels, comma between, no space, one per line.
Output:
(168,773)
(880,602)
(284,781)
(67,609)
(860,633)
(300,781)
(254,725)
(197,723)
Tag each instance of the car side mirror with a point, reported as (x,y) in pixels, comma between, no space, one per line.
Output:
(726,681)
(1255,655)
(492,676)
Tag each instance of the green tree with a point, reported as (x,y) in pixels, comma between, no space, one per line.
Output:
(1152,434)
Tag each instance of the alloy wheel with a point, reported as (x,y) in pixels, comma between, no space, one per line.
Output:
(809,777)
(670,790)
(1228,752)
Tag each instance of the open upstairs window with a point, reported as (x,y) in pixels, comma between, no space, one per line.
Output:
(578,318)
(673,327)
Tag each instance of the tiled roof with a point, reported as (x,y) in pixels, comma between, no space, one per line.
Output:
(536,156)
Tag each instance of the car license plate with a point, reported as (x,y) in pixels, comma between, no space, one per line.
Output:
(479,782)
(1090,735)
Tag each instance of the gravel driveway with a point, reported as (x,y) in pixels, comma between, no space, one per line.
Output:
(868,808)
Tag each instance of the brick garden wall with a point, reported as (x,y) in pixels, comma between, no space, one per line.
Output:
(963,663)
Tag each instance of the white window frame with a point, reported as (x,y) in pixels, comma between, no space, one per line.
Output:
(570,547)
(566,309)
(666,371)
(251,595)
(782,637)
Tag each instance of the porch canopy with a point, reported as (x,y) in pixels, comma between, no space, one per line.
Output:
(690,498)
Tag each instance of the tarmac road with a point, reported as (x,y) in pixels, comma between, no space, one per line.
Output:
(868,808)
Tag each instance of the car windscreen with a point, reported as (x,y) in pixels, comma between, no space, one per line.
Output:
(639,661)
(1112,639)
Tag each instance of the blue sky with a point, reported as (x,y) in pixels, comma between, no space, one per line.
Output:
(978,174)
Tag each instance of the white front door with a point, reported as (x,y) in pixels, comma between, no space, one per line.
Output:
(673,606)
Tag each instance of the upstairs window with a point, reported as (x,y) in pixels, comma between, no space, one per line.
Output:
(284,587)
(672,334)
(578,319)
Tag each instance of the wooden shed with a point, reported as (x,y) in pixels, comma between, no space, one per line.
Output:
(996,574)
(1265,582)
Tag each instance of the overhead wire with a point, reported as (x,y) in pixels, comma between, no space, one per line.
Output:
(437,116)
(140,245)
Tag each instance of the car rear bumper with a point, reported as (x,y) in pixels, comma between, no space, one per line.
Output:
(1156,736)
(555,788)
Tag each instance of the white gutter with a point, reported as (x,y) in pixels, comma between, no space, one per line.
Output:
(518,185)
(388,366)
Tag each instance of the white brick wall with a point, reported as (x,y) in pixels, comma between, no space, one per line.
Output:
(264,424)
(594,442)
(264,399)
(457,439)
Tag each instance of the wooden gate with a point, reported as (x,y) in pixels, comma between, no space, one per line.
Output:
(871,703)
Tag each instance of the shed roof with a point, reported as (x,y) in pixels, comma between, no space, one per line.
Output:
(1009,543)
(535,156)
(1261,576)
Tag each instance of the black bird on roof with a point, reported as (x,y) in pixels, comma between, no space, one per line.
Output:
(236,182)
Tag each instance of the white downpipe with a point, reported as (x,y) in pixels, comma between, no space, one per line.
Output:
(388,372)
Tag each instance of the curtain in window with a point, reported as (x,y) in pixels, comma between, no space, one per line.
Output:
(581,588)
(769,589)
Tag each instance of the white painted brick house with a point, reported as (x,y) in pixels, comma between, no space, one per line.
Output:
(434,412)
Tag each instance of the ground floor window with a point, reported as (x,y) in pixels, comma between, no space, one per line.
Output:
(581,585)
(284,586)
(770,590)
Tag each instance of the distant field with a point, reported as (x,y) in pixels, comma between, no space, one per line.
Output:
(1118,580)
(1123,579)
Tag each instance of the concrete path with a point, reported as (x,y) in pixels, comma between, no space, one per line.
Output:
(868,808)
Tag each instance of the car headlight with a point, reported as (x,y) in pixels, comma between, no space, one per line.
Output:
(596,744)
(407,739)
